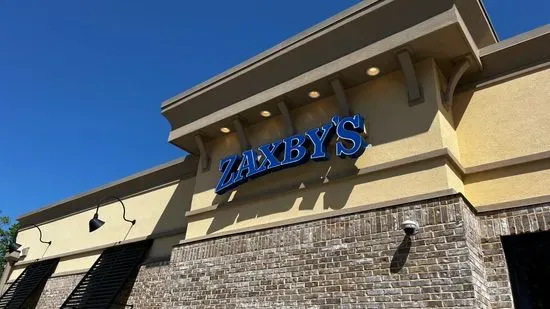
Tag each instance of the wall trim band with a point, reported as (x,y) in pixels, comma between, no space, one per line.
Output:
(335,213)
(430,155)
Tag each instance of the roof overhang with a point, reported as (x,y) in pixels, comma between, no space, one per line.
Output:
(512,57)
(344,46)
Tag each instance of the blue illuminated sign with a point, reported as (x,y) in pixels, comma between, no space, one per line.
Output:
(294,150)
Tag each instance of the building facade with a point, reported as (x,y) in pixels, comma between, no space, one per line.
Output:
(368,162)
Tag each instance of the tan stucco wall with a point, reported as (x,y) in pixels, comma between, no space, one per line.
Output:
(503,122)
(157,211)
(509,184)
(395,129)
(401,182)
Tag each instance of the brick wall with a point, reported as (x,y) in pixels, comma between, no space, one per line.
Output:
(354,261)
(361,260)
(502,223)
(150,288)
(56,290)
(475,257)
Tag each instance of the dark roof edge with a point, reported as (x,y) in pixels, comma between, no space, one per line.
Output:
(495,34)
(178,169)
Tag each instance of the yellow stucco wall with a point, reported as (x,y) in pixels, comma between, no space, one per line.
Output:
(156,211)
(395,129)
(399,183)
(504,122)
(509,184)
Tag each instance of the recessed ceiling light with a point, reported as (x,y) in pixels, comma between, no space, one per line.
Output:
(265,113)
(314,94)
(225,130)
(373,71)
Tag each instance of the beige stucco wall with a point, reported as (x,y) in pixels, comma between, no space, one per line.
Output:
(393,184)
(505,121)
(395,129)
(157,211)
(514,183)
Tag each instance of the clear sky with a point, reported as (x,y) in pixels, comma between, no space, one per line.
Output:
(81,82)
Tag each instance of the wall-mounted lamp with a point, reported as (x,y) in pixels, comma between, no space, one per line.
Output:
(44,242)
(96,223)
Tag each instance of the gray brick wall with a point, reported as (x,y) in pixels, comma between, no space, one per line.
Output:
(361,260)
(502,223)
(475,256)
(354,261)
(56,291)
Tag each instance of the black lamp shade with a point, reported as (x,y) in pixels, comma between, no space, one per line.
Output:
(95,223)
(13,247)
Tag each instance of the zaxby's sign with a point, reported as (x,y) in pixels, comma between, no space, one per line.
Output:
(294,150)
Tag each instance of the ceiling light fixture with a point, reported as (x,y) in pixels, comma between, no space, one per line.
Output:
(265,114)
(314,94)
(225,130)
(373,71)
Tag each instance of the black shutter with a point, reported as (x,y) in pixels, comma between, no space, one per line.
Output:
(31,280)
(101,285)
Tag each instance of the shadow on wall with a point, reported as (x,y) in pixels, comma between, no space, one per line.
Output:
(460,104)
(333,197)
(312,175)
(401,254)
(172,219)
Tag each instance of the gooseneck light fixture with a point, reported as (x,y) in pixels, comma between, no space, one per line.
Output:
(40,231)
(96,223)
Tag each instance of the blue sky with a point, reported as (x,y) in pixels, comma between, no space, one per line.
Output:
(81,82)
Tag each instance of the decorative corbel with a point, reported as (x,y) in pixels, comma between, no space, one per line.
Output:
(204,157)
(243,140)
(290,128)
(416,95)
(458,71)
(340,94)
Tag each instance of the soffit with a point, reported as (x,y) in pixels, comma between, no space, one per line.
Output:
(443,37)
(355,28)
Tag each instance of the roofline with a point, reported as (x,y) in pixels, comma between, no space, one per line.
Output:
(515,40)
(488,17)
(286,44)
(391,43)
(186,172)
